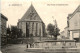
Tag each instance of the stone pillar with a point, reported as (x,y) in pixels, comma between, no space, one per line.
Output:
(29,28)
(36,28)
(32,27)
(41,30)
(71,36)
(23,27)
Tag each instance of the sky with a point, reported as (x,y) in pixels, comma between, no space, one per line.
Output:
(48,10)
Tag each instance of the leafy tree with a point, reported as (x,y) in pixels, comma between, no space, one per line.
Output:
(8,32)
(19,34)
(56,32)
(53,31)
(8,35)
(50,29)
(13,34)
(16,33)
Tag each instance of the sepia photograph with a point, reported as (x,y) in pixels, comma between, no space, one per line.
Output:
(40,26)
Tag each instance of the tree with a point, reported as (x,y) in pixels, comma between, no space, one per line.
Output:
(16,32)
(13,34)
(53,31)
(19,34)
(50,29)
(8,32)
(8,35)
(56,33)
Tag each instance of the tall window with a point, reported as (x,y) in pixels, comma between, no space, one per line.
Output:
(27,30)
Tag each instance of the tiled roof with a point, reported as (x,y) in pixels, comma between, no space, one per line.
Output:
(77,10)
(31,13)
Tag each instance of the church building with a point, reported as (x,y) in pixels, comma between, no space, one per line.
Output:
(31,24)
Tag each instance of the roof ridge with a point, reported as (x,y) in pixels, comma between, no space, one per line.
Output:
(76,10)
(30,9)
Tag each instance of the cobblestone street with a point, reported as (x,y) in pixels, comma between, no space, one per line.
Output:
(18,48)
(21,48)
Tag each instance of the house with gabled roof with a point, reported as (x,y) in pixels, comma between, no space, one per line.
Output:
(73,21)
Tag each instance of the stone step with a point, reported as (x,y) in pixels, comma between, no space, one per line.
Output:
(55,50)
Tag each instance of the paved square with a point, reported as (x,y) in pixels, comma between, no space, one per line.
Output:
(17,48)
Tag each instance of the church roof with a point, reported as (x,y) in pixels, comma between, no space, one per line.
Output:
(77,10)
(31,15)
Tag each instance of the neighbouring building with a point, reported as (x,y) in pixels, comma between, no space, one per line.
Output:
(73,21)
(3,29)
(62,34)
(66,33)
(31,24)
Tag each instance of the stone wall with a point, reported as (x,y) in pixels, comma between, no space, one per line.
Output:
(55,45)
(35,28)
(3,26)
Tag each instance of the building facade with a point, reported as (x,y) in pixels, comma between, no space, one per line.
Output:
(73,21)
(3,29)
(62,34)
(31,24)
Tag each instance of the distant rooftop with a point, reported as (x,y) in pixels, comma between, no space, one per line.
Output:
(2,16)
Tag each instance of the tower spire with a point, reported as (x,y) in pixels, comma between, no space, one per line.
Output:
(31,2)
(55,22)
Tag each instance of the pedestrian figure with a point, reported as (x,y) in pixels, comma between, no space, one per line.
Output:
(27,46)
